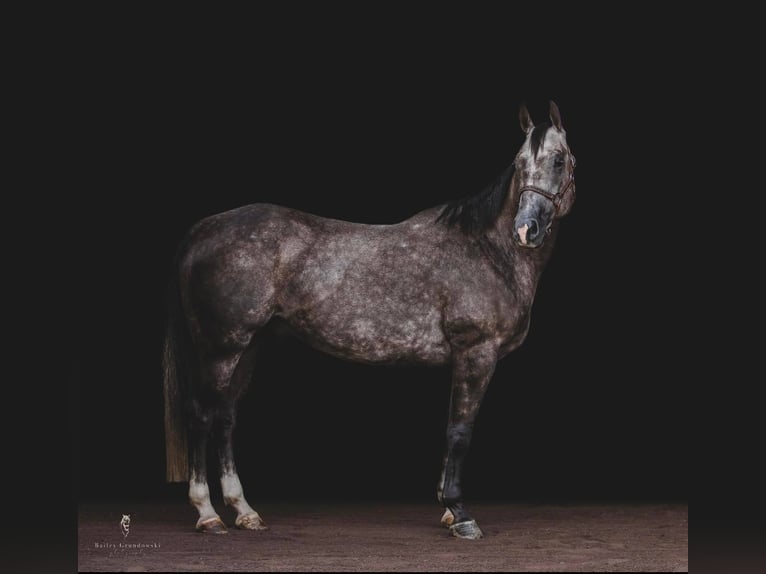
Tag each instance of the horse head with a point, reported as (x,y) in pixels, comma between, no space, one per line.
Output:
(545,176)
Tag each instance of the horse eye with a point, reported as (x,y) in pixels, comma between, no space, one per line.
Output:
(558,161)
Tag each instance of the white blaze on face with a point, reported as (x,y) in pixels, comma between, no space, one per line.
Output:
(523,233)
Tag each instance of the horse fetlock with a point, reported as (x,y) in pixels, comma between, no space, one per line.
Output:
(452,498)
(457,511)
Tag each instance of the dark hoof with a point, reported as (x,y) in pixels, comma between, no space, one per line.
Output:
(212,526)
(468,530)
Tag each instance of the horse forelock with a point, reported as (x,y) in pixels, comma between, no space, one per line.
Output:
(537,138)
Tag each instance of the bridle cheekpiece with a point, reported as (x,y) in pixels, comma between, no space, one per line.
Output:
(555,198)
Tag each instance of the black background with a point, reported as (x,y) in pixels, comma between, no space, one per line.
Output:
(372,122)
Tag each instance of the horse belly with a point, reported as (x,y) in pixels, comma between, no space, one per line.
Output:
(382,337)
(364,295)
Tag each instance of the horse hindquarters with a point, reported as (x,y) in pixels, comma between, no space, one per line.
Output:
(220,326)
(223,378)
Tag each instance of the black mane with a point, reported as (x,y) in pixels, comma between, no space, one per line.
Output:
(476,213)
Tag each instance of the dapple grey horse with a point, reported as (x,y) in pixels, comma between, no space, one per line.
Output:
(452,285)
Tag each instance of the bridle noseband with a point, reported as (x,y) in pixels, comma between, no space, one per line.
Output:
(555,198)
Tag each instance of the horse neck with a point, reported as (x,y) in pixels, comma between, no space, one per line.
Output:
(521,266)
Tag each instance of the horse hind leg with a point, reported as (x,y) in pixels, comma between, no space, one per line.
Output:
(233,494)
(223,379)
(202,418)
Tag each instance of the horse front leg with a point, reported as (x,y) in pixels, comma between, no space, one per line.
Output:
(472,371)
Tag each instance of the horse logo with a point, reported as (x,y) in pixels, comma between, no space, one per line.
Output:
(125,525)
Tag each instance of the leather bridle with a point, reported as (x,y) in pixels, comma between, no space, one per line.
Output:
(555,198)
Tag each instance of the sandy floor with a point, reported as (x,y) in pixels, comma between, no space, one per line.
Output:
(388,537)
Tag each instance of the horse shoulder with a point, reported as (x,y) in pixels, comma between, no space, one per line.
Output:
(482,305)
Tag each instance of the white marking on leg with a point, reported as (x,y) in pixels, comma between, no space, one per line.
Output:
(233,495)
(199,495)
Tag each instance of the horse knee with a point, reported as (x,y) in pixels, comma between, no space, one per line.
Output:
(459,438)
(227,420)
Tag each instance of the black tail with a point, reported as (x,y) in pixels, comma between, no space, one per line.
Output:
(176,386)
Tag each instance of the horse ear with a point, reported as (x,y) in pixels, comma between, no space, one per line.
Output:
(527,125)
(555,116)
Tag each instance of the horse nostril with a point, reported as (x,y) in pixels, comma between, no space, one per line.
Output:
(527,233)
(534,230)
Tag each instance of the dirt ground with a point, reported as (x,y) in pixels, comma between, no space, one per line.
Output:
(388,537)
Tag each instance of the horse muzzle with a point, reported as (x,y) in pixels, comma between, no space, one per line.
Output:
(529,232)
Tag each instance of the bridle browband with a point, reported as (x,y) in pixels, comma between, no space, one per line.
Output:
(555,198)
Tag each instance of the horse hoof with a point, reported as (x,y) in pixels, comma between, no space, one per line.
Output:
(251,522)
(468,530)
(211,526)
(448,518)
